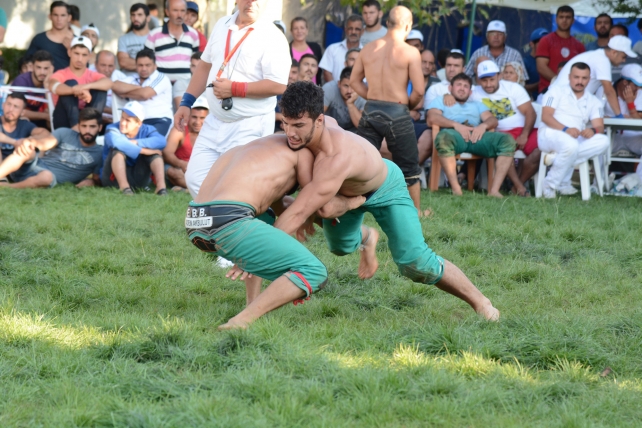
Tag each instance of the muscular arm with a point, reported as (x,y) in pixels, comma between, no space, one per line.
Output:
(489,120)
(529,117)
(125,62)
(169,152)
(436,117)
(417,78)
(199,79)
(356,79)
(543,69)
(355,113)
(611,96)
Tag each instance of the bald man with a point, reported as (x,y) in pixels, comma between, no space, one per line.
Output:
(388,64)
(106,64)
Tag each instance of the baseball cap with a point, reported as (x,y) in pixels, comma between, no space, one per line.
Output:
(91,27)
(201,102)
(496,26)
(622,44)
(538,34)
(81,41)
(487,68)
(192,5)
(459,51)
(415,34)
(633,72)
(134,108)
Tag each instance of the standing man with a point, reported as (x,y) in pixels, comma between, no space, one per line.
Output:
(496,49)
(243,89)
(388,64)
(603,24)
(530,62)
(151,89)
(566,110)
(191,17)
(557,47)
(600,63)
(55,41)
(132,42)
(372,14)
(36,111)
(174,42)
(334,57)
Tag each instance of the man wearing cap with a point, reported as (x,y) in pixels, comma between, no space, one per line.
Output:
(372,14)
(496,49)
(511,105)
(174,42)
(92,32)
(600,63)
(557,47)
(454,65)
(179,144)
(132,42)
(565,111)
(132,152)
(241,92)
(530,62)
(415,39)
(602,26)
(630,101)
(333,59)
(191,17)
(152,89)
(388,64)
(76,87)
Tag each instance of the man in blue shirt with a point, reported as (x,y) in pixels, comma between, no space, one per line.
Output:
(13,129)
(530,63)
(464,129)
(133,151)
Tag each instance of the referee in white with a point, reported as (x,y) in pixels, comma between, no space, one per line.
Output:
(241,92)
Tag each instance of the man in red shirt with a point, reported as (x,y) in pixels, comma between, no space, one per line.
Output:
(76,87)
(557,47)
(179,145)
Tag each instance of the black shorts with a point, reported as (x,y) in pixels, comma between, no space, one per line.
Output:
(392,121)
(138,175)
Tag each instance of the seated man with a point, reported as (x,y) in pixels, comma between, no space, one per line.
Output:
(132,152)
(179,145)
(106,65)
(342,103)
(630,99)
(563,132)
(42,68)
(511,105)
(467,123)
(308,68)
(70,156)
(14,130)
(455,62)
(152,89)
(77,87)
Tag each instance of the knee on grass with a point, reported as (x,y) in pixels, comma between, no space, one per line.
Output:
(426,270)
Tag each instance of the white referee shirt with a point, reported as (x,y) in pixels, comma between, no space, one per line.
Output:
(334,58)
(569,110)
(600,70)
(264,54)
(160,105)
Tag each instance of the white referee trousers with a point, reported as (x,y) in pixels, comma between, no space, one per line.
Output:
(217,137)
(569,152)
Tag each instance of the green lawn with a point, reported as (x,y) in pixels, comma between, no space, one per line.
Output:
(108,317)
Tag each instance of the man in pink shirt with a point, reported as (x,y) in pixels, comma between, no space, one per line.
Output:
(76,87)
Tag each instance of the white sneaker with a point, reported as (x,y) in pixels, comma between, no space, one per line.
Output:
(224,263)
(549,158)
(548,192)
(567,190)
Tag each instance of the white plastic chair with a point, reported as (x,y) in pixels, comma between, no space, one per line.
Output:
(48,99)
(585,180)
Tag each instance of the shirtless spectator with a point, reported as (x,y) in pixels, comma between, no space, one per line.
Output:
(179,145)
(36,111)
(132,42)
(14,130)
(388,64)
(57,40)
(75,87)
(308,68)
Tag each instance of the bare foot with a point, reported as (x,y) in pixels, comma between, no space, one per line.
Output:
(233,325)
(495,195)
(489,312)
(368,265)
(456,190)
(425,213)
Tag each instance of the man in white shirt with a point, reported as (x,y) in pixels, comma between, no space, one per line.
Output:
(454,65)
(334,57)
(242,96)
(600,62)
(511,105)
(372,14)
(563,132)
(152,89)
(106,64)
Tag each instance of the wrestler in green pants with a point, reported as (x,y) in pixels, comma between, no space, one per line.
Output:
(397,216)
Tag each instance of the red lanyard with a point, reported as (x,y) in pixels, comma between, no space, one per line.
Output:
(228,54)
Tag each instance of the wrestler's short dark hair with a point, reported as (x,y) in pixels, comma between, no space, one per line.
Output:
(90,113)
(581,66)
(300,98)
(462,76)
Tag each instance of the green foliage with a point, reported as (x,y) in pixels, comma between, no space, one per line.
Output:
(108,317)
(633,8)
(11,57)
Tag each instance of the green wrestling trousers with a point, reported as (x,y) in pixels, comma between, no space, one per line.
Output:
(492,144)
(231,230)
(397,216)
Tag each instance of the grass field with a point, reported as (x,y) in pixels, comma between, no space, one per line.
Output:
(108,317)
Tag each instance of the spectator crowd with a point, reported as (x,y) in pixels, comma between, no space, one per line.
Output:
(118,119)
